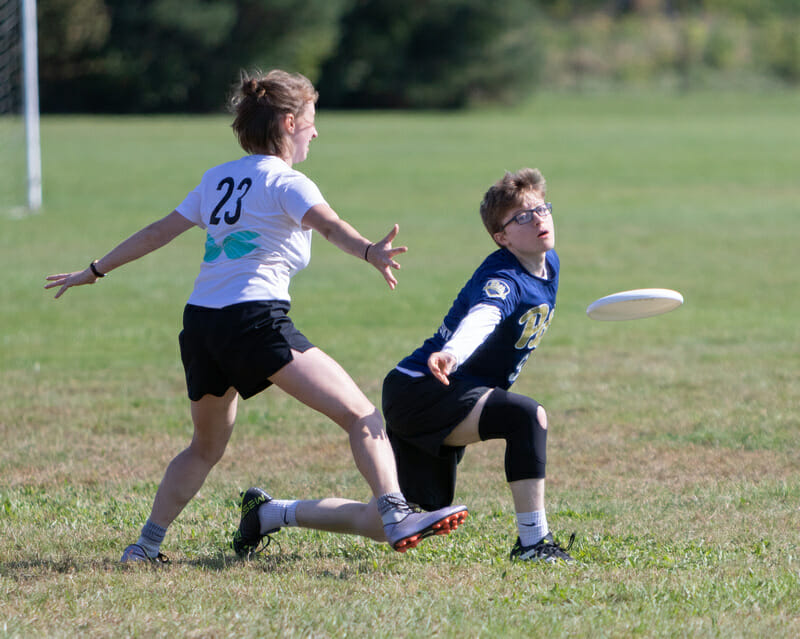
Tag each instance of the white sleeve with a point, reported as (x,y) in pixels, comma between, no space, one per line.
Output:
(472,331)
(190,208)
(298,194)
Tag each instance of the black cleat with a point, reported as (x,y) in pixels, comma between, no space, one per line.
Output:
(547,550)
(248,536)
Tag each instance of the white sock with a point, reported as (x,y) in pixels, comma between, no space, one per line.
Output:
(277,513)
(532,527)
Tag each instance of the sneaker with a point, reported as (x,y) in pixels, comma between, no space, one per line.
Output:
(248,536)
(417,525)
(135,552)
(547,550)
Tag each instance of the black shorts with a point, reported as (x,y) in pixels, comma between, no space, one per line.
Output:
(241,345)
(420,412)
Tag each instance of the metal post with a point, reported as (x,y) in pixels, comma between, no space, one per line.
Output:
(31,80)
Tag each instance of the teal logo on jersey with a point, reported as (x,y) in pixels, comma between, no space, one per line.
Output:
(234,246)
(496,288)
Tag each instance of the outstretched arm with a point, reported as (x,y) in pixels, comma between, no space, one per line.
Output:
(323,219)
(150,238)
(473,330)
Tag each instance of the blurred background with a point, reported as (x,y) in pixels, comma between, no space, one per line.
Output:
(170,56)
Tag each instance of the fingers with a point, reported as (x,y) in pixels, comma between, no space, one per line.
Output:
(438,374)
(395,251)
(385,246)
(441,364)
(391,280)
(66,280)
(383,253)
(390,235)
(57,280)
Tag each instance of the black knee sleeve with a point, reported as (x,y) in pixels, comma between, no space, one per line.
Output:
(514,418)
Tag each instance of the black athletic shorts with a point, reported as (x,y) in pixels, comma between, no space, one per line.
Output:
(420,412)
(241,345)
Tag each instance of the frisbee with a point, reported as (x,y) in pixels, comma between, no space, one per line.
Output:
(635,304)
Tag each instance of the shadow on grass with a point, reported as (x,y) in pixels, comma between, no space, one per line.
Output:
(30,568)
(323,564)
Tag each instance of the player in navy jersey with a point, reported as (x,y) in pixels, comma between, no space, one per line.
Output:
(258,213)
(453,390)
(503,290)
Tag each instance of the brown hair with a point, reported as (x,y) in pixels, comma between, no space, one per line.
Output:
(507,194)
(260,103)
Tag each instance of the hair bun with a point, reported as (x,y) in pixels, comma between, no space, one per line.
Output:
(251,88)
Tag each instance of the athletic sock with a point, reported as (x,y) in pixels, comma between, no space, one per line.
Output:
(151,537)
(277,513)
(532,527)
(388,507)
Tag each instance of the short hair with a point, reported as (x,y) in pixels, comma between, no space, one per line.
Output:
(507,194)
(261,101)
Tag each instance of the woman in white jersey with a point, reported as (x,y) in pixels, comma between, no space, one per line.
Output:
(237,339)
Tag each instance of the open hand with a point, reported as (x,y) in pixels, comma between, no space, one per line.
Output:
(66,280)
(381,256)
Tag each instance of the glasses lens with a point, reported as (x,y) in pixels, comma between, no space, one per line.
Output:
(524,217)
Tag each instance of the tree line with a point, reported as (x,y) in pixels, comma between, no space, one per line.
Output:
(145,56)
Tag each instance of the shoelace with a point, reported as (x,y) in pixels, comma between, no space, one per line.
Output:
(556,548)
(401,505)
(262,546)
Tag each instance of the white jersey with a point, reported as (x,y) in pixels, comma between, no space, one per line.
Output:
(252,211)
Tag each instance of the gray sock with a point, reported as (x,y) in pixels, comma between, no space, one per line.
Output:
(392,507)
(151,537)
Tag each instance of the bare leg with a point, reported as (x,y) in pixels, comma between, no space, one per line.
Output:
(318,381)
(341,516)
(213,419)
(528,495)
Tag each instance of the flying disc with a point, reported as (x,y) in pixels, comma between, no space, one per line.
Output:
(635,304)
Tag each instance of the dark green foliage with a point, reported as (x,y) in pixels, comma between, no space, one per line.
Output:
(431,54)
(146,56)
(170,55)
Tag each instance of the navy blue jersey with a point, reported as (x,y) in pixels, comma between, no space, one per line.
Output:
(526,304)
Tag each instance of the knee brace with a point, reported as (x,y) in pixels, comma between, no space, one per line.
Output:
(514,418)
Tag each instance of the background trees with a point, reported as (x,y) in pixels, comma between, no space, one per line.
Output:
(175,55)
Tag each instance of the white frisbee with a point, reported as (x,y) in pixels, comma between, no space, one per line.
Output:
(635,304)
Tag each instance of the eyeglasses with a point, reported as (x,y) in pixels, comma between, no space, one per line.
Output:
(526,215)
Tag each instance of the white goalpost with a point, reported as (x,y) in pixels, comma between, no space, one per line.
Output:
(30,59)
(20,148)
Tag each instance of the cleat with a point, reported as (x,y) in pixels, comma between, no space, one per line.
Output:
(248,536)
(546,550)
(135,553)
(416,525)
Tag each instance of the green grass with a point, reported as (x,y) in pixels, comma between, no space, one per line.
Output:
(673,440)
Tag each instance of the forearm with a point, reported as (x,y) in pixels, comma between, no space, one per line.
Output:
(145,241)
(472,331)
(137,245)
(323,219)
(338,232)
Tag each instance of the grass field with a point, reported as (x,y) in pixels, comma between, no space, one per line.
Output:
(673,447)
